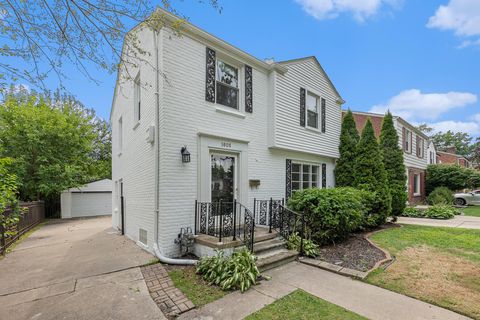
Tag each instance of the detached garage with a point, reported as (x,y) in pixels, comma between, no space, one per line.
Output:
(93,199)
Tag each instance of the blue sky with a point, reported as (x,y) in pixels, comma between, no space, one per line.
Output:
(421,59)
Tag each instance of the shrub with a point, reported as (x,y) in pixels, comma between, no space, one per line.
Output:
(235,272)
(453,177)
(440,196)
(310,249)
(344,169)
(370,175)
(392,156)
(440,212)
(330,214)
(413,212)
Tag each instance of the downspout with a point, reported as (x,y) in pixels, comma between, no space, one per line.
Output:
(156,248)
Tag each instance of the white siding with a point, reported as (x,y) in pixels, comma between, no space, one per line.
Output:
(289,134)
(135,164)
(184,117)
(411,159)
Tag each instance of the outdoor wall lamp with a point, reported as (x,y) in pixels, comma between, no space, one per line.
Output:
(185,155)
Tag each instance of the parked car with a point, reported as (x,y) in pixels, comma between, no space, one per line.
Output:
(467,198)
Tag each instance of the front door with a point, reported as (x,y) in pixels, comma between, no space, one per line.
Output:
(223,178)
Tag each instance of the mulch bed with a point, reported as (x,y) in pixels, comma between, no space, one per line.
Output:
(354,253)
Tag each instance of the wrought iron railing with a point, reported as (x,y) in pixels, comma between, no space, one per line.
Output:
(225,221)
(273,214)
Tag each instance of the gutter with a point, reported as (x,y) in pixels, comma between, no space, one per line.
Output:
(156,248)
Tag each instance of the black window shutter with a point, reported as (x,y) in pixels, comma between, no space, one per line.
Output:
(288,179)
(323,115)
(248,89)
(324,175)
(302,107)
(210,76)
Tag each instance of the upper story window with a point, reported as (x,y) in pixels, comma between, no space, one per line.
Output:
(312,110)
(432,157)
(408,141)
(305,176)
(136,98)
(227,85)
(420,147)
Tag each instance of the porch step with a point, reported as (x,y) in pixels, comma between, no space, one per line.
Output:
(272,259)
(268,245)
(264,236)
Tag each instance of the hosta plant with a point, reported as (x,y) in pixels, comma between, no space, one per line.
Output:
(440,212)
(238,271)
(310,249)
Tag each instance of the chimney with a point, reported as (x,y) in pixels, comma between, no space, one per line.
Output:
(451,149)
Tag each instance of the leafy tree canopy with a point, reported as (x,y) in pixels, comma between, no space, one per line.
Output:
(38,37)
(54,141)
(462,141)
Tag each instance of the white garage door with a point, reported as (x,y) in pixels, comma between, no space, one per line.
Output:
(91,204)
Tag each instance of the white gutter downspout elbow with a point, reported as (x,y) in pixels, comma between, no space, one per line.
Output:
(156,248)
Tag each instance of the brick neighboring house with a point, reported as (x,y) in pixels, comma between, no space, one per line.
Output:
(418,150)
(450,156)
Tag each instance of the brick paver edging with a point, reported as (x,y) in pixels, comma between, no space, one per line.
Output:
(169,299)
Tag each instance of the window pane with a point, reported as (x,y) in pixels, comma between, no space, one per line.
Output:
(227,74)
(295,167)
(227,96)
(295,186)
(312,119)
(295,176)
(306,168)
(306,185)
(314,185)
(312,102)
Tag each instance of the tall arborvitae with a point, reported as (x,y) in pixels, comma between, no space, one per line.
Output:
(394,167)
(370,175)
(348,144)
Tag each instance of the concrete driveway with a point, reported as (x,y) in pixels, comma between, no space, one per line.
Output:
(75,269)
(466,222)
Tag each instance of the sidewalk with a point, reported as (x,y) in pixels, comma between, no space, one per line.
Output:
(457,222)
(367,300)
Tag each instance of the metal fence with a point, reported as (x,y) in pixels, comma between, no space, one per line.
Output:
(34,213)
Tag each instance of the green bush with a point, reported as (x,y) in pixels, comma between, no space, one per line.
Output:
(309,248)
(440,196)
(235,272)
(440,212)
(453,177)
(330,214)
(413,212)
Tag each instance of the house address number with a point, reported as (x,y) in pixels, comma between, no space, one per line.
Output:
(225,144)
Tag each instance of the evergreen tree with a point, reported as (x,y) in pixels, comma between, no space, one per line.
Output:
(370,175)
(348,144)
(394,166)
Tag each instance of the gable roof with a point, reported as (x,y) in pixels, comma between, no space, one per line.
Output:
(379,123)
(315,60)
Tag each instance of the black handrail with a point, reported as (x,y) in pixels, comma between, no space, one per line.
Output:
(290,222)
(225,220)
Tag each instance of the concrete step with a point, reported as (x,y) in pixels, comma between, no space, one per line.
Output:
(275,258)
(259,237)
(268,245)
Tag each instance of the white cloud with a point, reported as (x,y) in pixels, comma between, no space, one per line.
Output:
(460,16)
(330,9)
(471,127)
(415,106)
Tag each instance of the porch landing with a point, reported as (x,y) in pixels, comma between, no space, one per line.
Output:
(260,234)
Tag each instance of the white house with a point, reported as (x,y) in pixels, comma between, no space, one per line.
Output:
(414,144)
(92,199)
(253,129)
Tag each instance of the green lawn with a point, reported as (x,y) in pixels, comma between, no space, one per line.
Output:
(194,287)
(437,265)
(302,305)
(473,211)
